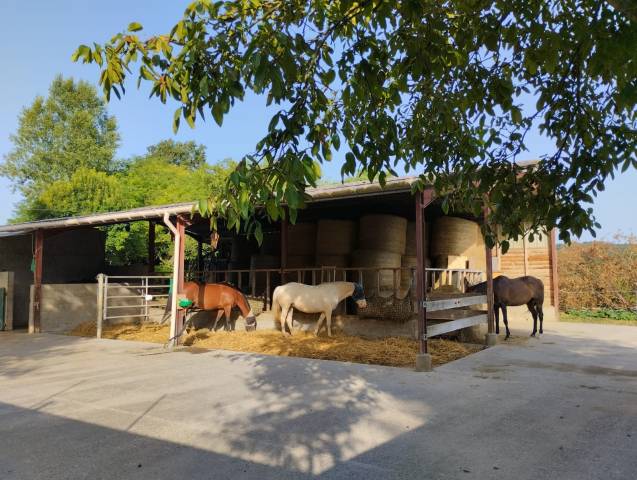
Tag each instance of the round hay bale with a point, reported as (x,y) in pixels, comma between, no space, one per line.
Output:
(335,237)
(453,236)
(410,240)
(377,259)
(453,262)
(386,233)
(302,239)
(408,264)
(332,261)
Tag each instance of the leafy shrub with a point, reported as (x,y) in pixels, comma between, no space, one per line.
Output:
(598,275)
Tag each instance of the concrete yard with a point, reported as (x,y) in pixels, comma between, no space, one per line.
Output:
(562,407)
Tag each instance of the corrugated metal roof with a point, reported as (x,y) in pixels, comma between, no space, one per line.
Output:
(324,193)
(97,219)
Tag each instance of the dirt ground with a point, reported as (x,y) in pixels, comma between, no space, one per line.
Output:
(391,351)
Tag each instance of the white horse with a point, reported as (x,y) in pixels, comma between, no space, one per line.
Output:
(321,299)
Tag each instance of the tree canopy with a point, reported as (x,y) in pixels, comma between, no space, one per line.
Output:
(187,154)
(448,90)
(63,164)
(68,130)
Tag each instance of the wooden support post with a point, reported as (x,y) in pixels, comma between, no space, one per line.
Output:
(422,200)
(151,248)
(37,282)
(554,275)
(284,246)
(181,231)
(489,262)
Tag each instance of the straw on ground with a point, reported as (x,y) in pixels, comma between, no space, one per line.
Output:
(390,351)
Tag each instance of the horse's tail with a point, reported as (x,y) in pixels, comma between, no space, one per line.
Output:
(276,306)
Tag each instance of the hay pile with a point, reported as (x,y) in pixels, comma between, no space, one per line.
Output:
(392,351)
(146,332)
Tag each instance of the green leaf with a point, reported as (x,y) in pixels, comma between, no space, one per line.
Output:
(516,115)
(176,118)
(217,113)
(258,233)
(134,27)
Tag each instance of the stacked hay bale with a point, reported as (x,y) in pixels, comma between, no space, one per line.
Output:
(382,241)
(409,260)
(457,243)
(334,242)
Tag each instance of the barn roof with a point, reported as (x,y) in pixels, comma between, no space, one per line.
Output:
(319,194)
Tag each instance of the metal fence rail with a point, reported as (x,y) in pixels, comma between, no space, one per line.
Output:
(260,283)
(133,297)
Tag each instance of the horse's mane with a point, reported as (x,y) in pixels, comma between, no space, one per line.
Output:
(231,285)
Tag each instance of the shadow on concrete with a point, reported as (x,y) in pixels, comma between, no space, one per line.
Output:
(513,411)
(37,445)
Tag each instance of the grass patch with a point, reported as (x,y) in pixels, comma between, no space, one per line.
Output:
(602,315)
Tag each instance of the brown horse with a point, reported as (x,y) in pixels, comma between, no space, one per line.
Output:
(512,292)
(217,296)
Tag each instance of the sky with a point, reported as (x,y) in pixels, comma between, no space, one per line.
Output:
(40,36)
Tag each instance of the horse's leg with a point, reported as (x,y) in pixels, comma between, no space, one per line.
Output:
(318,324)
(227,310)
(496,310)
(284,316)
(540,314)
(219,314)
(291,315)
(328,318)
(531,307)
(506,321)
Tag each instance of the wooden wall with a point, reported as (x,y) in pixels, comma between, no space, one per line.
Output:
(529,258)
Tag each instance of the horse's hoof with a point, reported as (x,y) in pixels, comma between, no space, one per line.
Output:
(533,334)
(507,337)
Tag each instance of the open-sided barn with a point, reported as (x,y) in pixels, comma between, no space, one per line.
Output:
(411,259)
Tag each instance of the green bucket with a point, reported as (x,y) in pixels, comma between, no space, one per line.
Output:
(185,303)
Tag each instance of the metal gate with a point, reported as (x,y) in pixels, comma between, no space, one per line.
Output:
(121,298)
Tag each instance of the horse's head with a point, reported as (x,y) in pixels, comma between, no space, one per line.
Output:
(359,296)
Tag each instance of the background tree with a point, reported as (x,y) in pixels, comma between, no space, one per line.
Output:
(446,89)
(87,191)
(187,154)
(68,130)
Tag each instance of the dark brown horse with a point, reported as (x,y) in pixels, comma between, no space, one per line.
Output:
(221,297)
(512,292)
